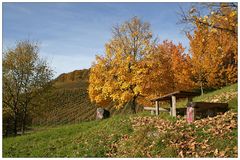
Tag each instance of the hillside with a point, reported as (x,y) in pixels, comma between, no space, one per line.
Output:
(68,101)
(140,135)
(76,79)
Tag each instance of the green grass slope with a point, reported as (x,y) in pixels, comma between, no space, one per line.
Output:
(140,135)
(88,139)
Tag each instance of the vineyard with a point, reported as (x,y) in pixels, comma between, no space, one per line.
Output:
(68,102)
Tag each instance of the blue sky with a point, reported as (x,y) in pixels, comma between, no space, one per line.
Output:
(71,34)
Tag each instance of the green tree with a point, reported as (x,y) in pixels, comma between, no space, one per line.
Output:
(25,76)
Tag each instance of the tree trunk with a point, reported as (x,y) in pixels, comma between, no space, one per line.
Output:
(24,116)
(8,127)
(15,124)
(23,123)
(133,105)
(201,88)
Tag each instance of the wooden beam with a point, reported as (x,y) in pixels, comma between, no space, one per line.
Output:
(208,105)
(157,107)
(150,108)
(154,109)
(174,106)
(178,94)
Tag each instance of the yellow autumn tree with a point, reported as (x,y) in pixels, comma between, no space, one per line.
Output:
(119,75)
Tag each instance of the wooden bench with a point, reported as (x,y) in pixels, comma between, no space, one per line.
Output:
(203,109)
(154,111)
(179,111)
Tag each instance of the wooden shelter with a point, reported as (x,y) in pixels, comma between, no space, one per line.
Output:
(172,98)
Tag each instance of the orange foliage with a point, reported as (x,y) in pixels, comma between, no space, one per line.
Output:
(135,69)
(170,70)
(214,48)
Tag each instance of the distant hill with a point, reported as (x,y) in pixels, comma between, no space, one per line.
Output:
(76,79)
(68,101)
(77,75)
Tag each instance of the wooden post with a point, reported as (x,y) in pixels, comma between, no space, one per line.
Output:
(170,110)
(157,107)
(174,106)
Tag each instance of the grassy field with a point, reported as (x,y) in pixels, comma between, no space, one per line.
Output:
(140,135)
(88,139)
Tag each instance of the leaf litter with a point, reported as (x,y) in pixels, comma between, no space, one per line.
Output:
(189,140)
